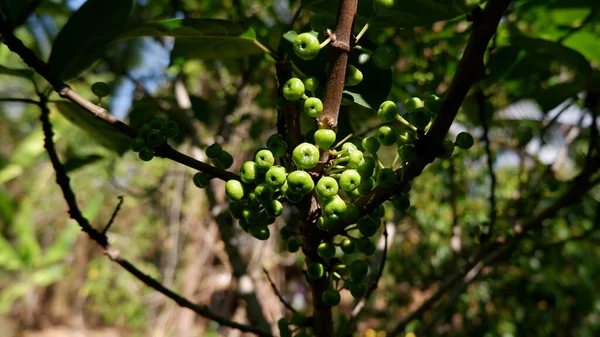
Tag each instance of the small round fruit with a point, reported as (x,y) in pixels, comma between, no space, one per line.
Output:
(349,147)
(447,149)
(367,226)
(384,57)
(358,289)
(327,187)
(292,245)
(214,151)
(412,103)
(407,152)
(201,180)
(146,153)
(419,118)
(331,297)
(277,147)
(137,143)
(275,137)
(276,176)
(274,208)
(100,89)
(234,190)
(464,140)
(368,166)
(405,137)
(358,269)
(300,182)
(353,76)
(315,270)
(433,104)
(170,129)
(144,130)
(298,319)
(352,213)
(248,172)
(324,138)
(306,46)
(386,135)
(260,232)
(305,156)
(286,232)
(293,89)
(334,208)
(157,122)
(371,144)
(387,111)
(347,246)
(386,178)
(313,107)
(355,159)
(366,185)
(401,203)
(326,250)
(155,138)
(349,180)
(264,193)
(311,83)
(383,7)
(325,224)
(264,159)
(365,246)
(225,160)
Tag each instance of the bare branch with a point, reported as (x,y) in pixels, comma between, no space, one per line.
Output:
(114,215)
(285,303)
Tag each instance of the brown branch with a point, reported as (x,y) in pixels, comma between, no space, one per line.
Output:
(342,46)
(62,179)
(114,215)
(165,151)
(469,70)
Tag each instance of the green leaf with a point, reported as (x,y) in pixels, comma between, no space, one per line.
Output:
(12,293)
(202,38)
(25,233)
(47,276)
(85,36)
(586,43)
(24,155)
(9,257)
(24,73)
(6,205)
(74,162)
(15,10)
(102,132)
(407,13)
(556,94)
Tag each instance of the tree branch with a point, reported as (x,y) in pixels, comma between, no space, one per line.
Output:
(165,150)
(490,164)
(342,46)
(62,179)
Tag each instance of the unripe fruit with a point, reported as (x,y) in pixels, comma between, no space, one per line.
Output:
(260,232)
(324,138)
(401,203)
(325,224)
(100,89)
(201,180)
(315,270)
(306,46)
(300,182)
(331,297)
(412,103)
(334,208)
(313,107)
(137,143)
(358,269)
(366,185)
(293,197)
(371,144)
(225,160)
(384,57)
(275,137)
(327,187)
(367,226)
(146,153)
(368,166)
(264,159)
(407,153)
(293,89)
(383,7)
(292,245)
(144,130)
(355,159)
(326,250)
(264,193)
(352,213)
(365,246)
(464,140)
(234,190)
(214,151)
(433,104)
(170,129)
(349,180)
(349,147)
(305,156)
(298,319)
(286,232)
(358,289)
(248,172)
(235,208)
(405,137)
(386,135)
(277,147)
(353,76)
(447,149)
(155,138)
(347,246)
(311,83)
(386,178)
(157,122)
(275,176)
(387,111)
(419,118)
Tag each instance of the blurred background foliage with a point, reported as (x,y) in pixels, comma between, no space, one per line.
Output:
(542,69)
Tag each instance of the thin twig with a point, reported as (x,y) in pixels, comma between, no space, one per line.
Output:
(114,215)
(285,303)
(490,163)
(62,179)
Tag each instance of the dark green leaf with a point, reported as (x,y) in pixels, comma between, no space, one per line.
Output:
(202,38)
(75,162)
(102,132)
(24,73)
(556,94)
(85,36)
(15,11)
